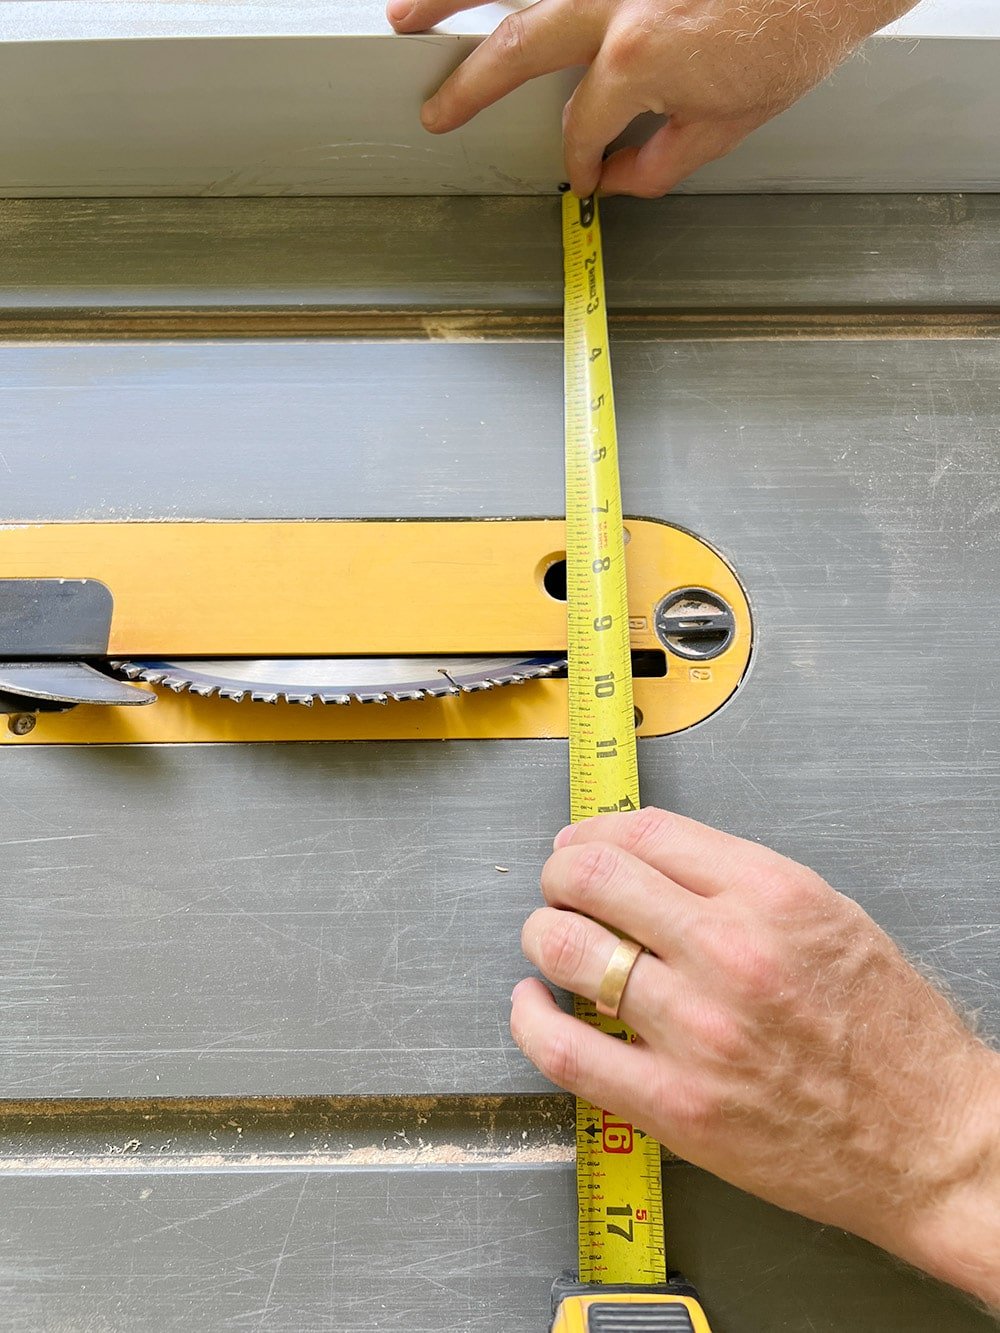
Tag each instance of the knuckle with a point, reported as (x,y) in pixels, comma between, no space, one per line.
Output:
(558,1058)
(563,948)
(744,956)
(755,971)
(813,888)
(582,162)
(852,921)
(510,37)
(572,134)
(792,888)
(591,871)
(551,878)
(649,825)
(775,887)
(648,189)
(574,128)
(532,927)
(688,1109)
(695,1112)
(517,1028)
(719,1035)
(623,48)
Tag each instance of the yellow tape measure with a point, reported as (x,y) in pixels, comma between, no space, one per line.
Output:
(618,1169)
(603,767)
(622,1282)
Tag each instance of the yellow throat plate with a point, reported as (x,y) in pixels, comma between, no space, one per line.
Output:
(359,588)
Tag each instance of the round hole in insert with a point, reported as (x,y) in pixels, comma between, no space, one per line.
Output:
(554,578)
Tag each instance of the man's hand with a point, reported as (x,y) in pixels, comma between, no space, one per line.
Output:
(717,68)
(782,1040)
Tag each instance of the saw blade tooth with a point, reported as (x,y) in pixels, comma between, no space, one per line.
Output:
(476,686)
(264,696)
(407,696)
(175,683)
(335,700)
(447,686)
(375,698)
(303,700)
(231,692)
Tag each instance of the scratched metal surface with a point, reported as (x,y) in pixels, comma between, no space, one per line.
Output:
(350,1215)
(444,1248)
(190,921)
(187,922)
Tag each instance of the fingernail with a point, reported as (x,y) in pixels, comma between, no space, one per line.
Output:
(398,10)
(562,837)
(513,994)
(429,114)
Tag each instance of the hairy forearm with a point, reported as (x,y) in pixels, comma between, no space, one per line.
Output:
(875,14)
(957,1239)
(887,11)
(809,38)
(862,18)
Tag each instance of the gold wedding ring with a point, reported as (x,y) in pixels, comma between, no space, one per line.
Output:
(616,975)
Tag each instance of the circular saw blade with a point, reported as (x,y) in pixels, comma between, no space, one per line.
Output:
(340,680)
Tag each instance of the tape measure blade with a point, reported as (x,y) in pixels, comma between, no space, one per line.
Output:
(603,761)
(619,1189)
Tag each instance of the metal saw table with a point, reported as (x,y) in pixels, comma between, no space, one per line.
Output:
(253,997)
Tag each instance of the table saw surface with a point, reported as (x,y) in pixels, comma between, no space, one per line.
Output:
(198,1131)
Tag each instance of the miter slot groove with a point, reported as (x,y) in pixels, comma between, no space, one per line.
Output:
(148,1135)
(489,325)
